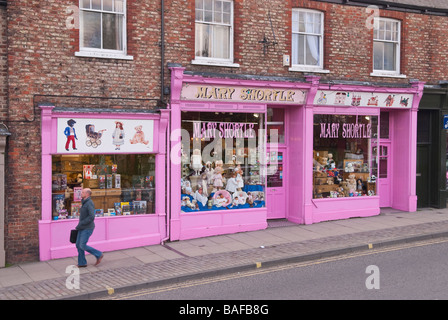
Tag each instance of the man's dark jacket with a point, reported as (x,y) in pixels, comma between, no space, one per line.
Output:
(87,215)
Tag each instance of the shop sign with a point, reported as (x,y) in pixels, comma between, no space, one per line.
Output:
(82,135)
(242,94)
(363,99)
(346,130)
(224,130)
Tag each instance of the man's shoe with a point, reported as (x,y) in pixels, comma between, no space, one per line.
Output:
(81,266)
(99,260)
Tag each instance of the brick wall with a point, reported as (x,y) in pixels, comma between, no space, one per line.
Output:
(43,67)
(347,40)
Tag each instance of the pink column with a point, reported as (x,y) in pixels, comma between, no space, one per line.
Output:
(308,133)
(175,154)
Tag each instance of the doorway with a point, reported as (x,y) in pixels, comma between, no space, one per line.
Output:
(385,160)
(276,189)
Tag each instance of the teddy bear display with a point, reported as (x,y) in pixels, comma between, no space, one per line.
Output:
(349,167)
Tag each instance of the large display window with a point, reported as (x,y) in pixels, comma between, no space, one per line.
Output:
(121,184)
(345,156)
(222,167)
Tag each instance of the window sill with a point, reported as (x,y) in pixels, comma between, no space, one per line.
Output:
(388,75)
(103,55)
(305,69)
(215,63)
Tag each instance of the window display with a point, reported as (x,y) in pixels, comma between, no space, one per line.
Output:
(120,184)
(221,167)
(344,156)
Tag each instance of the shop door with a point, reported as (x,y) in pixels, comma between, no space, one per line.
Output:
(275,193)
(384,172)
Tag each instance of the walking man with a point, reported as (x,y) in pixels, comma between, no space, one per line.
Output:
(85,229)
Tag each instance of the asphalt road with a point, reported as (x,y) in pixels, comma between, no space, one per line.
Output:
(406,272)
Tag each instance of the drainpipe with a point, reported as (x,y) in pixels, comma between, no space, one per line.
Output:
(4,133)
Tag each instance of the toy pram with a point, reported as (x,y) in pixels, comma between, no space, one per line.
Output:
(93,138)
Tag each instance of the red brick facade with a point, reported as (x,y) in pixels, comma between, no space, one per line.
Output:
(42,67)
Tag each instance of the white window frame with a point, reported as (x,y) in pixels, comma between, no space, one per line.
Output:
(218,61)
(304,67)
(381,72)
(102,53)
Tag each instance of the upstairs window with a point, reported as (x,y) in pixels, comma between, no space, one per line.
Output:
(386,46)
(102,28)
(307,39)
(214,32)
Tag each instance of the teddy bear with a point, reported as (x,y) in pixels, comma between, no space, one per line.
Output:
(139,136)
(351,182)
(330,162)
(349,167)
(330,181)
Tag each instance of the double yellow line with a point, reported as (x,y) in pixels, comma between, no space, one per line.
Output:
(259,270)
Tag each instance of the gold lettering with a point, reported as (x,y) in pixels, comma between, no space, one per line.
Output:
(290,93)
(202,92)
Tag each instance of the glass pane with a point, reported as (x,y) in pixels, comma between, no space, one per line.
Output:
(208,16)
(275,176)
(208,5)
(199,15)
(202,40)
(96,4)
(226,18)
(199,4)
(301,22)
(384,125)
(389,56)
(276,121)
(112,31)
(301,50)
(221,37)
(107,5)
(383,168)
(85,4)
(312,50)
(377,55)
(118,6)
(226,7)
(91,29)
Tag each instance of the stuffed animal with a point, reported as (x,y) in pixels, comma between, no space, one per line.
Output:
(330,162)
(351,182)
(349,167)
(330,181)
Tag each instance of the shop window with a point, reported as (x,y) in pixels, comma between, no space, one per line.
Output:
(120,184)
(222,166)
(344,156)
(275,121)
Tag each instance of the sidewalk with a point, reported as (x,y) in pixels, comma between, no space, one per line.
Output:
(281,242)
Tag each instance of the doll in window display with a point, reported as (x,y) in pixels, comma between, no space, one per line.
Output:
(232,183)
(218,178)
(239,177)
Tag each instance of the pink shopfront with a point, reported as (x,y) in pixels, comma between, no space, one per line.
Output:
(245,150)
(121,157)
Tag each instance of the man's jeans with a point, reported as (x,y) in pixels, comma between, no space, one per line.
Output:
(81,245)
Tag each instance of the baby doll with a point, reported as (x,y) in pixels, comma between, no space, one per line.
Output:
(217,178)
(232,184)
(235,202)
(239,177)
